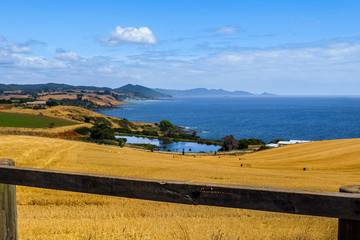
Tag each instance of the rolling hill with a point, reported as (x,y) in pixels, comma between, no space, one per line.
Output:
(141,91)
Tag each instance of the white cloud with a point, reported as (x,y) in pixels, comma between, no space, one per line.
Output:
(328,68)
(296,56)
(226,30)
(13,47)
(2,38)
(67,56)
(129,35)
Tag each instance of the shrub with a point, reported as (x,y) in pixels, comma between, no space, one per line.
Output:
(122,141)
(87,119)
(149,133)
(3,101)
(108,142)
(122,130)
(243,144)
(124,123)
(263,147)
(52,102)
(255,141)
(102,131)
(102,121)
(83,130)
(276,140)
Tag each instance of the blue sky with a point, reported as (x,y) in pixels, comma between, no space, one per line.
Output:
(285,47)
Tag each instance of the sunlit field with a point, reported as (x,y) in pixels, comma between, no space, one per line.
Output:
(31,121)
(49,214)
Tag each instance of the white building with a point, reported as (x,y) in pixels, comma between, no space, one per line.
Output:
(283,143)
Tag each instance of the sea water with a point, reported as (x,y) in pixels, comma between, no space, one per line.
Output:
(267,118)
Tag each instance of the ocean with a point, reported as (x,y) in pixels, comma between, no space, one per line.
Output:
(267,118)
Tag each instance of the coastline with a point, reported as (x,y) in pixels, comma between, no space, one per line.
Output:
(266,118)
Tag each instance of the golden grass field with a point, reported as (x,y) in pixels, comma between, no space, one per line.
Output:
(49,214)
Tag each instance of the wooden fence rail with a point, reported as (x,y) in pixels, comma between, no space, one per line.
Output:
(342,205)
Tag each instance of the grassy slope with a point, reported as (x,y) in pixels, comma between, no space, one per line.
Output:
(30,121)
(68,113)
(47,214)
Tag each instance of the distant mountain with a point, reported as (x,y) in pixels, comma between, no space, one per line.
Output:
(141,91)
(47,87)
(137,90)
(196,92)
(267,94)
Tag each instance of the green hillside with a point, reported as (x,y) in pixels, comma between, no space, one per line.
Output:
(31,121)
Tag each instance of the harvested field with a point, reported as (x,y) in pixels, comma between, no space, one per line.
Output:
(48,214)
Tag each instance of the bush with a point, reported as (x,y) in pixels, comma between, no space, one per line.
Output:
(276,140)
(38,107)
(3,101)
(52,102)
(149,133)
(123,130)
(102,131)
(87,119)
(102,121)
(124,123)
(255,141)
(122,141)
(263,147)
(243,144)
(108,142)
(83,130)
(183,135)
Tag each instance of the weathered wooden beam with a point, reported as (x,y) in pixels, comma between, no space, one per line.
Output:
(326,204)
(349,229)
(8,214)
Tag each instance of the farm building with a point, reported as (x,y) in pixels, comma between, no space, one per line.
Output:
(283,143)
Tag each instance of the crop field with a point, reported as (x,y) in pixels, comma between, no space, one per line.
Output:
(49,214)
(30,120)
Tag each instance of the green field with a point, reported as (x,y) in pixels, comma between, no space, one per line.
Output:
(31,121)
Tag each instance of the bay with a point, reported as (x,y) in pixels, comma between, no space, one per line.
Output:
(267,118)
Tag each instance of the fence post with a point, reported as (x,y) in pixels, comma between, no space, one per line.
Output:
(8,215)
(349,229)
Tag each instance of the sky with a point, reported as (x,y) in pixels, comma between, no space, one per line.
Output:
(284,47)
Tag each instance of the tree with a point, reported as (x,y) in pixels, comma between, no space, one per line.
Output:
(230,143)
(243,144)
(102,131)
(255,141)
(52,102)
(167,127)
(79,96)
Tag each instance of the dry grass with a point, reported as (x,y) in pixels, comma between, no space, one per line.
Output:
(58,96)
(48,214)
(102,100)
